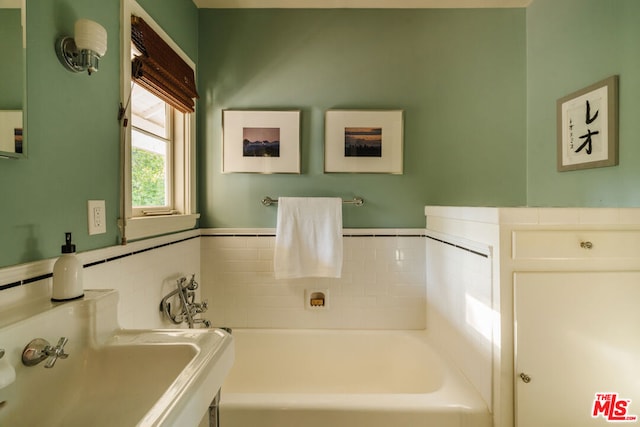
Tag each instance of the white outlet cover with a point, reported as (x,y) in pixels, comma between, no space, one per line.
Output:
(96,217)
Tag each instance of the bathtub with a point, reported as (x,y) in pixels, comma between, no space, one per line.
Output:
(332,378)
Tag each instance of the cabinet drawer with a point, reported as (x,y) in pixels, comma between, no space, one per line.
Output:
(576,244)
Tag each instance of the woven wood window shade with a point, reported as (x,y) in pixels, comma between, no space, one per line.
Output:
(160,70)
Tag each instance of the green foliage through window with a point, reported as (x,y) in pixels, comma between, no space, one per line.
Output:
(147,178)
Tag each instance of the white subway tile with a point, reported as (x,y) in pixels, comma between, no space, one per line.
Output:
(236,317)
(246,266)
(386,271)
(599,216)
(259,289)
(265,254)
(352,290)
(236,254)
(359,254)
(558,216)
(354,243)
(382,283)
(287,301)
(629,216)
(260,242)
(375,266)
(377,289)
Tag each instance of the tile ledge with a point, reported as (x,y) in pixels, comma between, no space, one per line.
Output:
(346,231)
(538,215)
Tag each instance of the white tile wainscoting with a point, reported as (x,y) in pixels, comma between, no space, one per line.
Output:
(382,284)
(142,272)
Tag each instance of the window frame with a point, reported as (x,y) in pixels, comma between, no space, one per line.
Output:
(170,140)
(133,223)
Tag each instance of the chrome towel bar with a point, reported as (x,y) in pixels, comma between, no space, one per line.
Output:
(357,201)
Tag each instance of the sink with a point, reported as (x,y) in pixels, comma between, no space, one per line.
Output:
(112,376)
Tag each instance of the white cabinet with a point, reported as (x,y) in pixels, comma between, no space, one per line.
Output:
(577,334)
(565,307)
(576,325)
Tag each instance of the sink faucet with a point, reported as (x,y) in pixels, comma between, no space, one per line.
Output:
(39,349)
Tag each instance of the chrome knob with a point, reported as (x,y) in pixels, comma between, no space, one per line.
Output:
(586,245)
(525,378)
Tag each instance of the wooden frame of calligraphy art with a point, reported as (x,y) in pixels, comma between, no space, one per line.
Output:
(588,127)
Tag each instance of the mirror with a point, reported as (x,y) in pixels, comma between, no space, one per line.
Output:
(12,78)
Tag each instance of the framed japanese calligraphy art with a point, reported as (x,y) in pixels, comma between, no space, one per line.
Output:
(260,141)
(363,141)
(588,127)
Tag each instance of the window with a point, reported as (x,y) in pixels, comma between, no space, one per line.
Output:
(158,182)
(151,153)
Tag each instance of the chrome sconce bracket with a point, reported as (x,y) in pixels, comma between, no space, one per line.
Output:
(73,59)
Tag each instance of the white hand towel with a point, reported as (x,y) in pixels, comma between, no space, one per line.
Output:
(308,237)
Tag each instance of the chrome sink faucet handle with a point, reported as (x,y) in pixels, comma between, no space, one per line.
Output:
(39,349)
(57,352)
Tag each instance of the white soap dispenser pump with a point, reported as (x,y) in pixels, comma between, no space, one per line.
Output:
(67,274)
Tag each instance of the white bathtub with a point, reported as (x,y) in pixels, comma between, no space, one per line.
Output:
(331,378)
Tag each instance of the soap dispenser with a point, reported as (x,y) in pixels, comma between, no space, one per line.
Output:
(67,274)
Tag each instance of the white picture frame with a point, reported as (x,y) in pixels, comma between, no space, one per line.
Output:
(261,141)
(364,141)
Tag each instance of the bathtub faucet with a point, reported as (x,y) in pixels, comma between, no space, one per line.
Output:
(188,307)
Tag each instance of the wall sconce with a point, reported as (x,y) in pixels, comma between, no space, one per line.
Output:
(83,53)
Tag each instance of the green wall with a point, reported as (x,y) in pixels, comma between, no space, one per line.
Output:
(73,132)
(570,45)
(459,75)
(179,19)
(474,84)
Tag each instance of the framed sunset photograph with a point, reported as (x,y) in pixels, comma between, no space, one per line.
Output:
(260,141)
(364,141)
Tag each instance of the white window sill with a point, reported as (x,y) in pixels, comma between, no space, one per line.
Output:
(142,227)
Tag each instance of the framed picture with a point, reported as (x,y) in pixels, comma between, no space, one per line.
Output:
(588,127)
(367,141)
(260,141)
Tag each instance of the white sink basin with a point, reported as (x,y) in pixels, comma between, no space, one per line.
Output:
(112,377)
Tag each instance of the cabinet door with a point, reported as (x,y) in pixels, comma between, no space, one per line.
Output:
(576,335)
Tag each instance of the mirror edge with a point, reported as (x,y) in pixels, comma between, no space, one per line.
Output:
(23,154)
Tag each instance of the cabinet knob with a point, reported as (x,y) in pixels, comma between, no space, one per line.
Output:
(525,378)
(586,245)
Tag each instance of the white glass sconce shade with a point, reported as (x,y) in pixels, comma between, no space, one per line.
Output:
(89,35)
(83,53)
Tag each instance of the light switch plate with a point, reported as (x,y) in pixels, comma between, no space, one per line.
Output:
(96,214)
